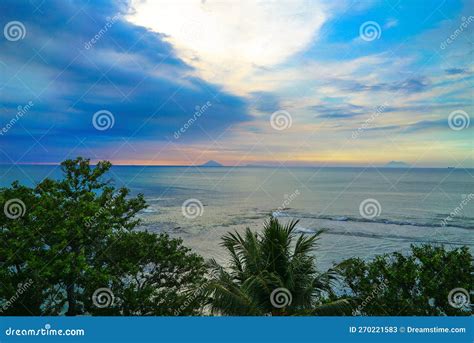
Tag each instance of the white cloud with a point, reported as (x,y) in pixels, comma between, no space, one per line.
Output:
(228,42)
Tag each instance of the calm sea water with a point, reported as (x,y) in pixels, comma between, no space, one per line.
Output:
(410,204)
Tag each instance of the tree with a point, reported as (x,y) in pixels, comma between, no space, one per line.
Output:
(421,284)
(78,236)
(270,273)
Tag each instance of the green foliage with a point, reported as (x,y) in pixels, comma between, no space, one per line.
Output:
(72,237)
(418,284)
(79,234)
(262,263)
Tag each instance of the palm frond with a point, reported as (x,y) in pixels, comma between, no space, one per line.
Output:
(261,263)
(305,244)
(339,307)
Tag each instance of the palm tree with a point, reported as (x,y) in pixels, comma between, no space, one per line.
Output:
(271,273)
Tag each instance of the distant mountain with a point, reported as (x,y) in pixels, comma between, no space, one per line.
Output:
(211,163)
(397,164)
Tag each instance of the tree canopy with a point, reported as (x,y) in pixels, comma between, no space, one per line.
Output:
(424,283)
(75,248)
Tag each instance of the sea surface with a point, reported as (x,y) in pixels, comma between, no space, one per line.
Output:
(399,206)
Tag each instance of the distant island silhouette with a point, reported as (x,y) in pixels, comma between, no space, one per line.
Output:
(211,163)
(397,164)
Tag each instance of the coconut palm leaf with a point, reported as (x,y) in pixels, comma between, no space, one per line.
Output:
(262,263)
(341,307)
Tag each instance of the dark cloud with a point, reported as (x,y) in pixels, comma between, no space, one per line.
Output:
(423,125)
(385,128)
(81,57)
(426,125)
(265,102)
(456,71)
(338,111)
(413,85)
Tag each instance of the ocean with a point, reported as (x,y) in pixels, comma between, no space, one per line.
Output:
(364,211)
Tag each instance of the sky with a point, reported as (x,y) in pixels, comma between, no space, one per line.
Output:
(295,83)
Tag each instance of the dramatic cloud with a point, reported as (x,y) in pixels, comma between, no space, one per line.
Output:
(79,58)
(229,41)
(172,82)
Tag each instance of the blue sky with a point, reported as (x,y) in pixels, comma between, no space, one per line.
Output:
(289,82)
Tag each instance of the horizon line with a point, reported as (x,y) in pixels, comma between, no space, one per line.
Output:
(244,166)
